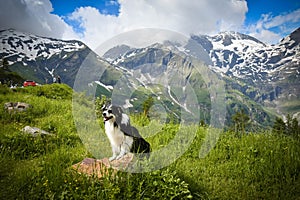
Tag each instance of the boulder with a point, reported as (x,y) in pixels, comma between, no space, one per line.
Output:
(16,106)
(34,131)
(98,168)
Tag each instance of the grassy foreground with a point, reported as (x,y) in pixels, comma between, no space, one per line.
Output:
(256,166)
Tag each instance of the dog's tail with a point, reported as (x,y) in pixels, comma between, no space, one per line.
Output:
(140,145)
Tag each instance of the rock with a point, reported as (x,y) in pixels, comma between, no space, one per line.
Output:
(34,131)
(99,168)
(16,106)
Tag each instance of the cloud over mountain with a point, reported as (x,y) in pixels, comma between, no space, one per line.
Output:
(95,25)
(33,16)
(207,16)
(261,29)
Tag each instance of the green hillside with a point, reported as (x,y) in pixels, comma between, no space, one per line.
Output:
(10,78)
(260,165)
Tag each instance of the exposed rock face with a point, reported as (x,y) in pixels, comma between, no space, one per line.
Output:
(27,51)
(99,168)
(16,106)
(34,131)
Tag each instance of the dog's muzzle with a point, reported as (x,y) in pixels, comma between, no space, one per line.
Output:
(106,118)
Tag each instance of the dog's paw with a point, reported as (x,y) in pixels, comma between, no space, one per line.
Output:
(112,158)
(119,157)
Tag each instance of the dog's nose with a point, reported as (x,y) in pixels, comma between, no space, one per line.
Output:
(104,114)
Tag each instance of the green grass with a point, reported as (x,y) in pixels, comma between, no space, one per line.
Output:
(254,166)
(257,166)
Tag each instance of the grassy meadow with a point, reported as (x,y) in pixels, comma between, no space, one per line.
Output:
(261,165)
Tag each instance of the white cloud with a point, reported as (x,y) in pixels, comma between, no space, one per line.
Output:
(285,23)
(280,20)
(267,36)
(186,17)
(33,16)
(111,3)
(193,16)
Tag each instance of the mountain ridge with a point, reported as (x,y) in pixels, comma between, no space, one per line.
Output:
(260,72)
(42,58)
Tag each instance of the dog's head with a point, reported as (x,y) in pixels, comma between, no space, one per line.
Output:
(107,113)
(114,113)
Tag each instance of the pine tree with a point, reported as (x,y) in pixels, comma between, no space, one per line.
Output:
(279,126)
(5,64)
(295,128)
(290,127)
(288,123)
(241,120)
(147,105)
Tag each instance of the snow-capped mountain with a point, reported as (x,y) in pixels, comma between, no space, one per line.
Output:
(271,72)
(41,58)
(164,65)
(239,56)
(116,52)
(28,47)
(244,57)
(267,75)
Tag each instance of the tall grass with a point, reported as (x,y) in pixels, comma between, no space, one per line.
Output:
(254,166)
(40,167)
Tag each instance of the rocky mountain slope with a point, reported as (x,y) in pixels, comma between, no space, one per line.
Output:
(268,75)
(164,66)
(244,57)
(40,58)
(262,79)
(271,73)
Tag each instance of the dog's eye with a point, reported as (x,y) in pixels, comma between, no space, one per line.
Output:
(109,111)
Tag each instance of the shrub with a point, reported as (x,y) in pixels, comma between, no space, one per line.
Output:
(4,89)
(51,91)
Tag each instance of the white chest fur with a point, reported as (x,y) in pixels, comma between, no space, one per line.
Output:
(120,143)
(114,134)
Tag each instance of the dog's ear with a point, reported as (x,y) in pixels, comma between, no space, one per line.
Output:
(125,119)
(117,111)
(103,107)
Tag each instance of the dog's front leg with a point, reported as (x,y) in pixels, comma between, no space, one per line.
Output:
(125,147)
(115,151)
(124,150)
(112,158)
(122,153)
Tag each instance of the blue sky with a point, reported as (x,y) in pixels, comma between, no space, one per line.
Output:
(63,8)
(95,21)
(275,7)
(256,8)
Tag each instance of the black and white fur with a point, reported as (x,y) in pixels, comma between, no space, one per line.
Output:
(123,137)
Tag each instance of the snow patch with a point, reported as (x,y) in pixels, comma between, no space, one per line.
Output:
(107,87)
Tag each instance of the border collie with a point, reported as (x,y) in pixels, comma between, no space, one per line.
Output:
(123,137)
